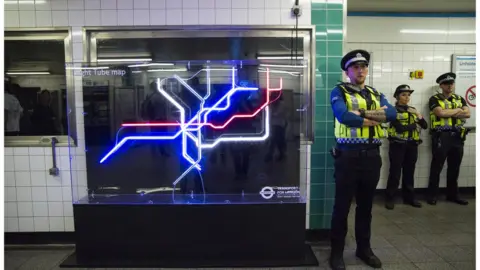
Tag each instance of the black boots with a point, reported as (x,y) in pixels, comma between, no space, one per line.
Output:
(336,256)
(367,256)
(433,201)
(336,260)
(457,201)
(413,203)
(390,205)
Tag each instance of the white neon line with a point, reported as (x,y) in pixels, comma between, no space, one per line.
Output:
(187,86)
(124,140)
(244,139)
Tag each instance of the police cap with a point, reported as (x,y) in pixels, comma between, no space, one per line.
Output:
(447,77)
(402,88)
(353,57)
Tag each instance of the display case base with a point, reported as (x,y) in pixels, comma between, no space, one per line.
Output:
(190,236)
(73,261)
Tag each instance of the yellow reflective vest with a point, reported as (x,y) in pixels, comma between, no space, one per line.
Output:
(352,135)
(405,118)
(438,123)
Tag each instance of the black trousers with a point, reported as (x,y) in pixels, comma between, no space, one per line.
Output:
(403,158)
(356,174)
(445,146)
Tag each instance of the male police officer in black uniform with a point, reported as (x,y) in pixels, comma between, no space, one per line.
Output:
(358,110)
(447,117)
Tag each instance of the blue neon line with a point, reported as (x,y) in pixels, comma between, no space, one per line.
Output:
(412,14)
(185,130)
(124,140)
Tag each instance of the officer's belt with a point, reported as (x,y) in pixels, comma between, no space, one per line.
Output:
(399,141)
(360,153)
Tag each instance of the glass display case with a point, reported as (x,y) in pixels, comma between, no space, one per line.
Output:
(193,132)
(218,143)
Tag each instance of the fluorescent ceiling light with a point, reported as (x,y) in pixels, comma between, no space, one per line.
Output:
(125,60)
(320,33)
(28,73)
(437,31)
(167,70)
(86,68)
(152,64)
(282,66)
(279,57)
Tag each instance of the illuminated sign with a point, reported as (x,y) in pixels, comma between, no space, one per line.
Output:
(192,129)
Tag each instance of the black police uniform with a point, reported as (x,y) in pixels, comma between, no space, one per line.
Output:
(447,144)
(357,172)
(403,152)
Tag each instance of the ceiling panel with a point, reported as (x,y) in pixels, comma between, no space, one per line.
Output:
(411,5)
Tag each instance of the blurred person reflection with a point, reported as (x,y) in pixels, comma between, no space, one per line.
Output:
(241,150)
(153,110)
(279,126)
(43,118)
(13,111)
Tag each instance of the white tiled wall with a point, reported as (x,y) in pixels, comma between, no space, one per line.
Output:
(48,13)
(36,201)
(410,30)
(394,55)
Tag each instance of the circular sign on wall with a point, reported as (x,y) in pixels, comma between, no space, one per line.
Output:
(470,96)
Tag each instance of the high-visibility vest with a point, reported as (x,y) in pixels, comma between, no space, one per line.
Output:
(362,135)
(405,118)
(451,123)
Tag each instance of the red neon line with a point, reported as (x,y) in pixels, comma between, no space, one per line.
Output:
(267,102)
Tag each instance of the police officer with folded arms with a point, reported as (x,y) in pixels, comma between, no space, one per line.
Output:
(448,112)
(404,137)
(359,111)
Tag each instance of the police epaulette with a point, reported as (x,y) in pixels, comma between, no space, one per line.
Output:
(349,87)
(374,90)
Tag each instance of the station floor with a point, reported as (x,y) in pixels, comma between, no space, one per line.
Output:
(433,237)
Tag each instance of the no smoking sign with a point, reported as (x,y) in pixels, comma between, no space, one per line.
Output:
(470,96)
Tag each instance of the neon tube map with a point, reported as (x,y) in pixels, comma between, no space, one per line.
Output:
(192,129)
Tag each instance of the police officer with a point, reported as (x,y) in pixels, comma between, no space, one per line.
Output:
(448,112)
(404,137)
(358,110)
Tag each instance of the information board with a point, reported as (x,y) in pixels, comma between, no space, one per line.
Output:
(465,67)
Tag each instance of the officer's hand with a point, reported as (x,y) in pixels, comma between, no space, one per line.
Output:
(458,111)
(356,112)
(383,107)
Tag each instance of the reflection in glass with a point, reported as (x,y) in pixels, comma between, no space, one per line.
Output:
(35,90)
(193,132)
